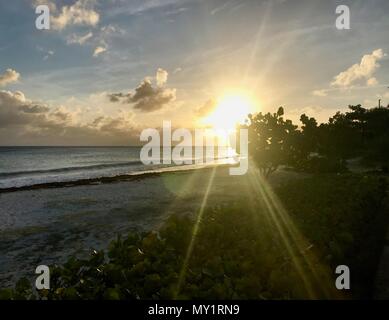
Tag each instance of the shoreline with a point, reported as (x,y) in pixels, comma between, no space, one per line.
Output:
(106,180)
(48,225)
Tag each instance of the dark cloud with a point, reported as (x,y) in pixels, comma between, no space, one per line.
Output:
(147,97)
(23,122)
(15,110)
(62,115)
(116,97)
(34,108)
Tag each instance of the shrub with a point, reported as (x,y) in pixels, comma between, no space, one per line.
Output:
(244,251)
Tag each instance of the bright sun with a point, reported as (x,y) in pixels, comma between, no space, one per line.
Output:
(230,110)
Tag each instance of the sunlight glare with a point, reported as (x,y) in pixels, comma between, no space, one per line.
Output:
(231,109)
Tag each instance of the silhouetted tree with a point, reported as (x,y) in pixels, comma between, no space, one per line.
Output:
(306,141)
(376,130)
(359,132)
(271,140)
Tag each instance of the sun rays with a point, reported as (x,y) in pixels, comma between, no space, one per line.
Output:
(293,241)
(196,227)
(264,203)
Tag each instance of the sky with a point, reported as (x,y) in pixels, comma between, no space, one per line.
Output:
(107,69)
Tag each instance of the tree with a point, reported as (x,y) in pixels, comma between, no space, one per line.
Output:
(306,142)
(376,134)
(359,132)
(271,140)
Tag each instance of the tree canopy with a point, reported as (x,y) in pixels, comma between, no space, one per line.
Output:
(358,133)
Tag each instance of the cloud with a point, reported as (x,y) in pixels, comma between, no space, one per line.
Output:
(116,97)
(177,70)
(206,109)
(320,93)
(16,109)
(52,6)
(146,97)
(24,122)
(99,50)
(321,114)
(119,125)
(36,108)
(81,13)
(176,11)
(161,77)
(48,55)
(226,6)
(110,30)
(62,115)
(100,39)
(79,39)
(362,71)
(139,7)
(9,76)
(100,36)
(372,82)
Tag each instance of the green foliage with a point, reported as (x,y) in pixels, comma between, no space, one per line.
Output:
(318,164)
(22,291)
(359,132)
(321,148)
(271,140)
(238,252)
(346,218)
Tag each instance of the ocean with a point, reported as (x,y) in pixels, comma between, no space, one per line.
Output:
(27,166)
